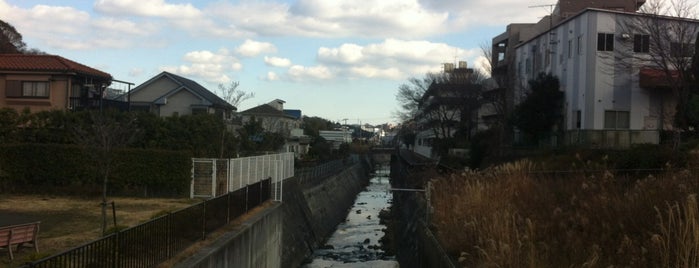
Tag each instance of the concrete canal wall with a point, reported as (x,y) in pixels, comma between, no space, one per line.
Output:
(255,243)
(311,212)
(285,234)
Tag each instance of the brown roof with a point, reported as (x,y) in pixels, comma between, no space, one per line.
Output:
(49,63)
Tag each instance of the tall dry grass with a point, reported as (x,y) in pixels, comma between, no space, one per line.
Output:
(515,216)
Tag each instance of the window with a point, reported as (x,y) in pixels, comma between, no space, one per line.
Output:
(27,89)
(570,49)
(616,119)
(580,45)
(528,66)
(641,43)
(605,42)
(578,119)
(681,49)
(199,110)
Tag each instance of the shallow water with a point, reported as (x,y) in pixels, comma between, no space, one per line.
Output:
(355,243)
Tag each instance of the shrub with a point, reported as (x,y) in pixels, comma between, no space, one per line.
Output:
(68,169)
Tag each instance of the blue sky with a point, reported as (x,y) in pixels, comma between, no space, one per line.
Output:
(337,59)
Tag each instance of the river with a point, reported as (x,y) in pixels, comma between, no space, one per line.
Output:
(355,243)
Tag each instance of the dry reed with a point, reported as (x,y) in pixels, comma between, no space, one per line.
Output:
(514,216)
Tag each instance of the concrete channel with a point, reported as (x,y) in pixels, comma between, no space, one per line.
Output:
(355,242)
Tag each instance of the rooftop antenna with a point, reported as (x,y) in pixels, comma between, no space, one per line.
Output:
(550,6)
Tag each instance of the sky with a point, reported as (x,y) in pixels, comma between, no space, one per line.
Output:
(336,59)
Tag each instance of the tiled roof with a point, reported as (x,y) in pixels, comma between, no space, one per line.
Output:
(47,63)
(264,109)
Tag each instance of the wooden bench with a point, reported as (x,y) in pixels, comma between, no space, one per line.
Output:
(18,235)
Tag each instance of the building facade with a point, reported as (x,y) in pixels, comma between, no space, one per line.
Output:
(168,94)
(49,82)
(600,62)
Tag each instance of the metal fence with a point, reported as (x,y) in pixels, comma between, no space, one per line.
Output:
(216,177)
(150,243)
(315,175)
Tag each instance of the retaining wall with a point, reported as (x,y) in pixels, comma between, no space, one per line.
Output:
(418,247)
(285,234)
(255,243)
(312,212)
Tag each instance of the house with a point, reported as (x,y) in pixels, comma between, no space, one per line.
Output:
(168,94)
(274,118)
(50,82)
(613,96)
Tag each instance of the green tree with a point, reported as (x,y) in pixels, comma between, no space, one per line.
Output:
(313,125)
(9,123)
(254,139)
(320,149)
(10,39)
(541,108)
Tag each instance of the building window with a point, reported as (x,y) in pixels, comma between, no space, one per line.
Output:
(528,66)
(641,43)
(199,110)
(681,49)
(570,48)
(580,46)
(27,89)
(605,42)
(578,119)
(616,119)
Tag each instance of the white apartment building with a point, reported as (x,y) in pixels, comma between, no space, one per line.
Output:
(608,99)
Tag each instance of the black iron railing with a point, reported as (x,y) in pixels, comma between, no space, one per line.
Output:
(155,241)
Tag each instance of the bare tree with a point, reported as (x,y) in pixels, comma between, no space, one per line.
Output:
(232,95)
(99,136)
(449,109)
(235,97)
(409,94)
(661,39)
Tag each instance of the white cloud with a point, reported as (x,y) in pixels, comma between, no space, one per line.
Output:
(252,48)
(62,27)
(376,72)
(207,65)
(271,76)
(392,58)
(135,72)
(480,63)
(126,27)
(341,18)
(277,62)
(346,53)
(147,8)
(302,73)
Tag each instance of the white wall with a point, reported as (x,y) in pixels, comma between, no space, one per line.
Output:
(591,80)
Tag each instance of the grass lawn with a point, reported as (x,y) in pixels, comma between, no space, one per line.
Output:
(67,222)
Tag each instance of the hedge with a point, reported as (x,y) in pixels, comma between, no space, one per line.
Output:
(72,170)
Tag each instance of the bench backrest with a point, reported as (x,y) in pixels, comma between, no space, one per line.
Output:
(21,233)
